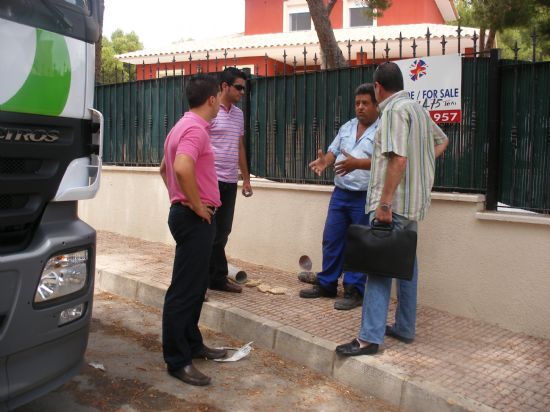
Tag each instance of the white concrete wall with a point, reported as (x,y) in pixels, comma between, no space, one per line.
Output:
(493,267)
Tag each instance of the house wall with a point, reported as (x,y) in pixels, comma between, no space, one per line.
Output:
(493,267)
(409,12)
(263,16)
(149,71)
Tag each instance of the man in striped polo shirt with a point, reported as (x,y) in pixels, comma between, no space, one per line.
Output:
(406,145)
(227,138)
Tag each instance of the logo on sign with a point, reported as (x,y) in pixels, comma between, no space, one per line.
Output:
(418,69)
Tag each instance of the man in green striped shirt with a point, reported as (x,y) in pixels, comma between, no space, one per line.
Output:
(406,145)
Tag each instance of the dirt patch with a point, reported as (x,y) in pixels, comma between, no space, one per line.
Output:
(124,393)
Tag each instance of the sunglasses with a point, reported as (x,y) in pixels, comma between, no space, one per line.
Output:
(239,87)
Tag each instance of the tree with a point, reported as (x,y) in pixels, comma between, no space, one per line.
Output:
(494,16)
(331,54)
(511,20)
(98,45)
(120,42)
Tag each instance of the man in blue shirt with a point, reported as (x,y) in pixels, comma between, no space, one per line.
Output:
(350,153)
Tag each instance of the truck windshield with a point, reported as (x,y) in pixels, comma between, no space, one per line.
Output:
(72,18)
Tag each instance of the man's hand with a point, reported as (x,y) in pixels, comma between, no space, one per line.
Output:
(203,211)
(319,164)
(343,167)
(247,188)
(383,215)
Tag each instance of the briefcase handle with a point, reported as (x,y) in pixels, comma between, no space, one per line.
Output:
(377,225)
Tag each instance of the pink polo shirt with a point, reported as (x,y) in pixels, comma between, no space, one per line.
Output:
(226,131)
(190,136)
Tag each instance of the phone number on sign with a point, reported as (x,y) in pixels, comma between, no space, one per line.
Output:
(446,116)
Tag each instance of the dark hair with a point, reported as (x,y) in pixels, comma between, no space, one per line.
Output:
(230,74)
(389,76)
(199,88)
(366,88)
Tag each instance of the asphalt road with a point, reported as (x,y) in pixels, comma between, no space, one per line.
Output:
(125,341)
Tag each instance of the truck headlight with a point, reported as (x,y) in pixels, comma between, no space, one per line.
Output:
(63,275)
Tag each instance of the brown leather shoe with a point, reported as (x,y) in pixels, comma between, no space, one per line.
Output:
(228,287)
(210,353)
(191,375)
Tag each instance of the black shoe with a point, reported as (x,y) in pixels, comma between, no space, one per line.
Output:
(190,375)
(316,292)
(210,353)
(308,277)
(391,333)
(227,287)
(354,349)
(352,299)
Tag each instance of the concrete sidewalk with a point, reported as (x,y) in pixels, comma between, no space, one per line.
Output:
(454,364)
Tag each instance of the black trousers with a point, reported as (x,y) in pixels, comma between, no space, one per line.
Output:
(224,223)
(181,337)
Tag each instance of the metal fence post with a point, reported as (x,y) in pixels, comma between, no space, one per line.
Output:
(493,131)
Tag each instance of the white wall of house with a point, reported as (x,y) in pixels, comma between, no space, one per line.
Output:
(493,267)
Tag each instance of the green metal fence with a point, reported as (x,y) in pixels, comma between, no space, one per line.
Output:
(290,116)
(525,136)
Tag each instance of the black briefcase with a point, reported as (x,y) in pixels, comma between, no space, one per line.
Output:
(381,250)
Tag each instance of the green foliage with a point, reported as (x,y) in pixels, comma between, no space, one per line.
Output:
(375,8)
(513,21)
(111,69)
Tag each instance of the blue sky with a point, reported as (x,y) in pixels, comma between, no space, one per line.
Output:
(167,21)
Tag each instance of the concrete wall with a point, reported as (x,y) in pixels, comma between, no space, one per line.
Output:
(489,266)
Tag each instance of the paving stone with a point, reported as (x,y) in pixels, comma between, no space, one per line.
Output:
(475,361)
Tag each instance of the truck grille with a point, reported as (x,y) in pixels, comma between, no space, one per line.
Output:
(8,202)
(31,171)
(10,167)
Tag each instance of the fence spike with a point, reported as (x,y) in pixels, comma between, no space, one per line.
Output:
(265,64)
(414,46)
(516,50)
(305,58)
(443,44)
(174,66)
(373,49)
(349,51)
(361,54)
(190,64)
(158,68)
(235,60)
(387,50)
(428,36)
(459,35)
(225,58)
(315,60)
(207,62)
(534,37)
(400,38)
(475,38)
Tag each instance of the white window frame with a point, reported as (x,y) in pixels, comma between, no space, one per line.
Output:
(353,4)
(294,6)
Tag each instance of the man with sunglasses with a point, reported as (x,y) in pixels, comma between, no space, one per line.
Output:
(227,138)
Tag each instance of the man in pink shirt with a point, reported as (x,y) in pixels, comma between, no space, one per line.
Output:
(190,176)
(227,137)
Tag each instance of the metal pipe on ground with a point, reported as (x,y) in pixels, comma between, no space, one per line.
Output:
(236,274)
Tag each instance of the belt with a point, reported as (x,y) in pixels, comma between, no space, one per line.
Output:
(213,209)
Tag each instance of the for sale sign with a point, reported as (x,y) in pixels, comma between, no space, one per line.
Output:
(434,82)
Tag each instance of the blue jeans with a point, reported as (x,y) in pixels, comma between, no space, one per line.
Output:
(345,208)
(377,299)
